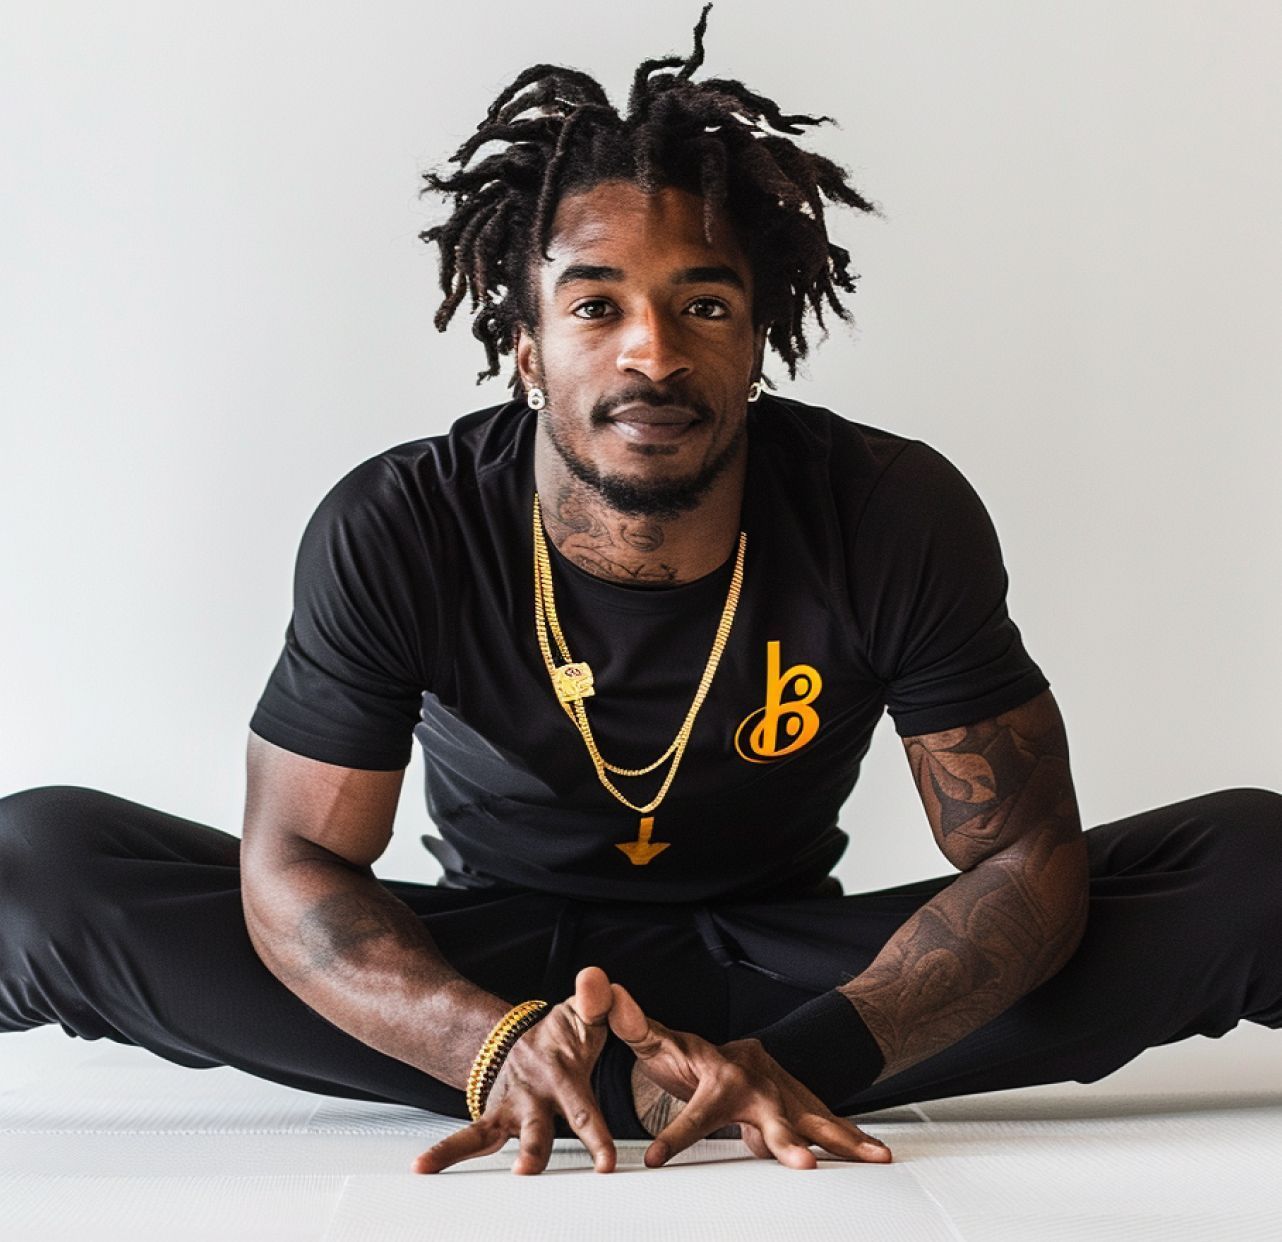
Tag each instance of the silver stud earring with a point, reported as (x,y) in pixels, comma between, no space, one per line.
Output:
(535,399)
(754,390)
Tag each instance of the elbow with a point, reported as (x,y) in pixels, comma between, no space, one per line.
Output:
(1067,902)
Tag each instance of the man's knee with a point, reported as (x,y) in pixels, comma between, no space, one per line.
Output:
(1246,842)
(1224,849)
(50,839)
(1248,819)
(52,815)
(1242,822)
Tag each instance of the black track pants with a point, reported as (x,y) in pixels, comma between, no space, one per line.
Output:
(122,922)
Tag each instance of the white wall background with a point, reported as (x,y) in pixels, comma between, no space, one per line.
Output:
(214,303)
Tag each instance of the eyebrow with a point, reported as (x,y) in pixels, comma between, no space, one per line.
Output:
(717,274)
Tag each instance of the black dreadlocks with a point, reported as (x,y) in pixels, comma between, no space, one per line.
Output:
(710,137)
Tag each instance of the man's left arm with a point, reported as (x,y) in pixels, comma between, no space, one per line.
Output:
(1000,801)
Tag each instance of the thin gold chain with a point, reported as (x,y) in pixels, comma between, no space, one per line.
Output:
(545,618)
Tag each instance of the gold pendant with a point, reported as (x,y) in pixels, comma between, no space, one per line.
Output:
(572,682)
(642,850)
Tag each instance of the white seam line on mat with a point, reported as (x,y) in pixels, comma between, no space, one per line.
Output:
(333,1212)
(939,1207)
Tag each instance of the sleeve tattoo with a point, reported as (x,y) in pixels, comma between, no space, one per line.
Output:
(1000,801)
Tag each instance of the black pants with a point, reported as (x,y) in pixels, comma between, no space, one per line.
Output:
(121,922)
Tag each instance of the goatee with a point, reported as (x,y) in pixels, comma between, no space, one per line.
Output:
(663,498)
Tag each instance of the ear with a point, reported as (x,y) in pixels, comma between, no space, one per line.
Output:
(527,359)
(758,351)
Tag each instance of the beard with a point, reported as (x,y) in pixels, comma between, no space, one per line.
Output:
(661,498)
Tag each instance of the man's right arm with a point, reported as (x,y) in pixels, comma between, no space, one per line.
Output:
(331,933)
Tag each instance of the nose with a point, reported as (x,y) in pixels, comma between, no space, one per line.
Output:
(652,346)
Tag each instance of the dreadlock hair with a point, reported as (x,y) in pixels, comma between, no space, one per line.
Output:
(715,138)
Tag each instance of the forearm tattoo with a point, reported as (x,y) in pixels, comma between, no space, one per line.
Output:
(1000,800)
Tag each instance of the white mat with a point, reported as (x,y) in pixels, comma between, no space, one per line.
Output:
(195,1208)
(717,1191)
(122,1146)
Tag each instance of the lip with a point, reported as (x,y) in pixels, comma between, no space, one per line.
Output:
(654,415)
(654,426)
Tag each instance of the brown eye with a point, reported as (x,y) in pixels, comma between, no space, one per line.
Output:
(709,308)
(594,309)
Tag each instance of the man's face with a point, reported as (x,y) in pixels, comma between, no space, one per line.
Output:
(645,346)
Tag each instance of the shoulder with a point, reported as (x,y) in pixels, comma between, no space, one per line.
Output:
(817,432)
(867,467)
(411,478)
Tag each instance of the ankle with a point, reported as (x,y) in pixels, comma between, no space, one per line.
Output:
(655,1108)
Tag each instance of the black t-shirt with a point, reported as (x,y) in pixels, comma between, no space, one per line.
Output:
(873,581)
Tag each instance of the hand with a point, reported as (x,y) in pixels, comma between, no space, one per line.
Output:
(738,1081)
(547,1072)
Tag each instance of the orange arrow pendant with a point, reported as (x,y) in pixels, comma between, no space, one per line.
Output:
(642,849)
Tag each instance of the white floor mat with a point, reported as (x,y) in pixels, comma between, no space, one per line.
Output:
(118,1145)
(715,1191)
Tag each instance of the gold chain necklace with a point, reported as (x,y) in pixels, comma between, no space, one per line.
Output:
(573,682)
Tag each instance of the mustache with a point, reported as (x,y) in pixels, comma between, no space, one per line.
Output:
(648,394)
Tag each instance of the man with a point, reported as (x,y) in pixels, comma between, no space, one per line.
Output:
(643,555)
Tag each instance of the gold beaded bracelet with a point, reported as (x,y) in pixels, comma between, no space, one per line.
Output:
(485,1069)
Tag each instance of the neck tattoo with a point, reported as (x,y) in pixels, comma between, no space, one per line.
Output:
(607,544)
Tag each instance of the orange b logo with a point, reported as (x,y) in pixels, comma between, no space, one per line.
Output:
(781,728)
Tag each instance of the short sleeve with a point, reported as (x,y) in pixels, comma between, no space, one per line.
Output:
(929,591)
(347,688)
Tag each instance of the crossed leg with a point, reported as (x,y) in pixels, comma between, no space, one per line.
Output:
(123,922)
